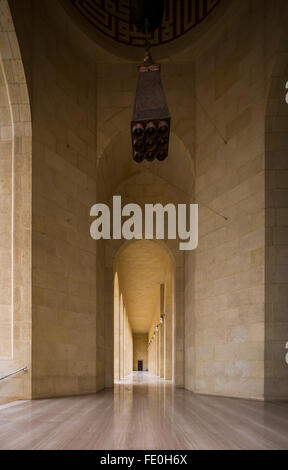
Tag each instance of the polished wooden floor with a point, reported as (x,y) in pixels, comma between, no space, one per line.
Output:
(144,413)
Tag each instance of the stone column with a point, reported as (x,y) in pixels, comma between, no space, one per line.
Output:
(158,354)
(124,344)
(121,340)
(116,339)
(168,374)
(153,361)
(109,328)
(179,329)
(161,351)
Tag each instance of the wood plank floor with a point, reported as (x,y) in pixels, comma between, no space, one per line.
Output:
(144,413)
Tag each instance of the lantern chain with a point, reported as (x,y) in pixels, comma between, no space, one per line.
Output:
(147,33)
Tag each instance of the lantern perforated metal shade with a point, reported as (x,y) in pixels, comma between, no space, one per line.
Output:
(151,121)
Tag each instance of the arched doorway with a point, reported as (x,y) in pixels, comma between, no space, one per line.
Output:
(144,329)
(169,182)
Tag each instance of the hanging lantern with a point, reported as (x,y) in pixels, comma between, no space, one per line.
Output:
(151,121)
(150,124)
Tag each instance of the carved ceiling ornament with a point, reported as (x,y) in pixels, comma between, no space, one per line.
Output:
(112,18)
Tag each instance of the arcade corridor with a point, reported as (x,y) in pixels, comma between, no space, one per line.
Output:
(143,224)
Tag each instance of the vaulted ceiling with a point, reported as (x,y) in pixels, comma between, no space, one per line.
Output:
(142,267)
(110,20)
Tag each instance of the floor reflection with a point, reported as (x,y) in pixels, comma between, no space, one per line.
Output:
(144,412)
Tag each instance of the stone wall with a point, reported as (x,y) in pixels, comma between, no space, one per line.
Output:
(6,208)
(15,215)
(276,318)
(122,349)
(60,62)
(228,307)
(127,342)
(225,294)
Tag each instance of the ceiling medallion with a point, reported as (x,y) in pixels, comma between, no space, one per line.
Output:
(113,18)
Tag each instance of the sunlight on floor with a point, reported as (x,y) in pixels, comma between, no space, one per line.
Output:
(142,378)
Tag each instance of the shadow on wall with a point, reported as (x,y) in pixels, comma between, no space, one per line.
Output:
(276,270)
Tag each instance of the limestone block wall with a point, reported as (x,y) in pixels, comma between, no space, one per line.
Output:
(6,216)
(276,316)
(100,293)
(152,361)
(68,337)
(116,324)
(122,337)
(154,344)
(128,347)
(225,341)
(229,277)
(162,350)
(15,215)
(233,288)
(140,353)
(169,346)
